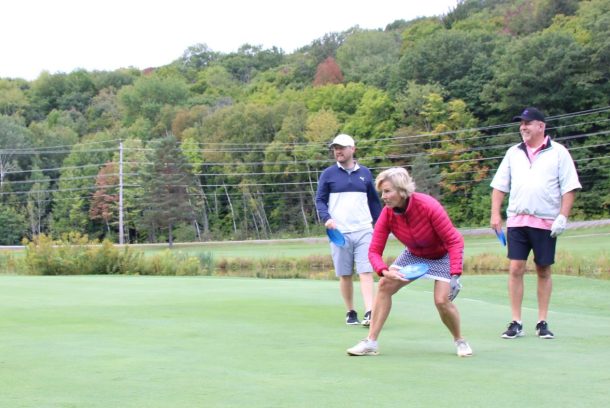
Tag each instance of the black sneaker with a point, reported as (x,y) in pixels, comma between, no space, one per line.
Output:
(351,318)
(514,330)
(542,330)
(367,319)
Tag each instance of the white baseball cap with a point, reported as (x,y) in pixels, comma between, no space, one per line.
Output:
(343,140)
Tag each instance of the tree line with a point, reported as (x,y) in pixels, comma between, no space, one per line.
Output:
(229,146)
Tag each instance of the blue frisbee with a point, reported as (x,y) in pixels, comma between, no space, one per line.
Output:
(414,271)
(336,237)
(501,236)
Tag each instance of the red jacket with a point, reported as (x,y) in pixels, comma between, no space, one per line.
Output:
(424,228)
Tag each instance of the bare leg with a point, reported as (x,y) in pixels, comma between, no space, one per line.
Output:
(367,287)
(545,287)
(347,291)
(516,270)
(383,304)
(447,310)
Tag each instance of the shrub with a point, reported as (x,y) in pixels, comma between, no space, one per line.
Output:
(74,254)
(8,264)
(172,263)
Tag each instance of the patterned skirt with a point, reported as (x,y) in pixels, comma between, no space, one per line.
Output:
(438,269)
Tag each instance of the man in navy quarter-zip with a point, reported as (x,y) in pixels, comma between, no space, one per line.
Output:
(347,200)
(540,176)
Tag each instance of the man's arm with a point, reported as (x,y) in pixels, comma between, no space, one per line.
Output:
(374,202)
(322,195)
(497,197)
(567,201)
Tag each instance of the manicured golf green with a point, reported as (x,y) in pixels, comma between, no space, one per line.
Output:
(128,341)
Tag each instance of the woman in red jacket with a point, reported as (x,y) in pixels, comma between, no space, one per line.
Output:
(421,223)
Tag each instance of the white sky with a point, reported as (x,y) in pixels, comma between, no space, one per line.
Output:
(63,35)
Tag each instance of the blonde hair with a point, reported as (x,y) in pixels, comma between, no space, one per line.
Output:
(400,180)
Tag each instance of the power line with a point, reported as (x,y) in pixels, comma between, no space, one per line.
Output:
(249,147)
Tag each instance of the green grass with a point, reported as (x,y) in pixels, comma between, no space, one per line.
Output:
(588,241)
(126,341)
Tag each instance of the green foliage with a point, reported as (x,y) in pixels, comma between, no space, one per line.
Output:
(459,61)
(196,58)
(60,91)
(103,112)
(148,95)
(13,136)
(249,60)
(418,30)
(374,117)
(427,178)
(410,103)
(216,83)
(536,64)
(12,225)
(13,99)
(77,180)
(369,57)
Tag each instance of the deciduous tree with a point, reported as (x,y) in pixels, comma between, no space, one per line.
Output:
(328,72)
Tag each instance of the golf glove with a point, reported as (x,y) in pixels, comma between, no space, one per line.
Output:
(456,286)
(559,225)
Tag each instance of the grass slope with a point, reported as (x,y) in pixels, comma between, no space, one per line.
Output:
(126,341)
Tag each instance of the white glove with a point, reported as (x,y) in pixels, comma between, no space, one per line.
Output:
(559,225)
(455,285)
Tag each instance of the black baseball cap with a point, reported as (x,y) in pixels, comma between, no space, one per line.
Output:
(530,114)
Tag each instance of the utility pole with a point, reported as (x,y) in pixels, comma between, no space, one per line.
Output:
(121,234)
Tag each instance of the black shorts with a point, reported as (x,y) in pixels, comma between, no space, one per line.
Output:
(521,240)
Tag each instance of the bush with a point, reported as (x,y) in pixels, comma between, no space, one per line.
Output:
(311,267)
(74,254)
(8,264)
(108,259)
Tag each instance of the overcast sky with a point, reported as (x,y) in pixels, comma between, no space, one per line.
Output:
(63,35)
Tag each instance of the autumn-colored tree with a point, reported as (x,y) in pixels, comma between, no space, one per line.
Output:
(328,72)
(103,204)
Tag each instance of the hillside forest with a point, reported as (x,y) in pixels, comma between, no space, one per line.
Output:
(219,146)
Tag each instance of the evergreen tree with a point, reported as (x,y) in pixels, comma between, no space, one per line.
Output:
(167,184)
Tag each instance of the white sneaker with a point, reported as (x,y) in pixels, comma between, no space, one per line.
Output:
(463,349)
(363,348)
(366,322)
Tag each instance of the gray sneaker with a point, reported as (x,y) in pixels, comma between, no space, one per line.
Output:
(364,348)
(463,349)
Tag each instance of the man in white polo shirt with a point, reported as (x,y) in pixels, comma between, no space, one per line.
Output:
(540,177)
